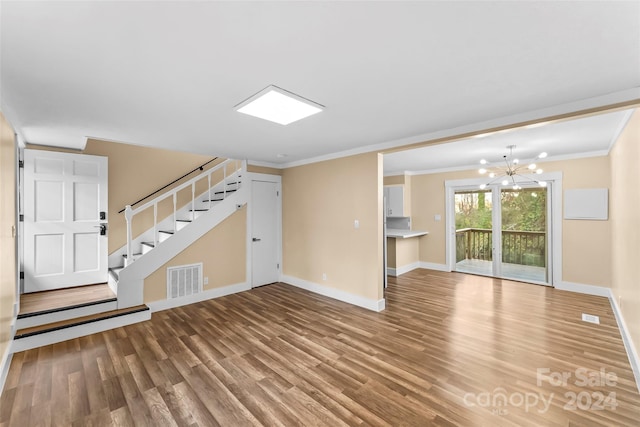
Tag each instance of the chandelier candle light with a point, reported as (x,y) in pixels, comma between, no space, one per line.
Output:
(512,169)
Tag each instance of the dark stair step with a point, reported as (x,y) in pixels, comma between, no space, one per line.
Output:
(166,231)
(134,255)
(222,192)
(150,244)
(50,327)
(213,200)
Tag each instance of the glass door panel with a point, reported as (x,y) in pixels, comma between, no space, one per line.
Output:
(524,234)
(473,213)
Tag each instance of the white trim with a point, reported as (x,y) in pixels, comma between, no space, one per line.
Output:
(601,291)
(57,316)
(434,266)
(634,360)
(580,288)
(202,296)
(5,363)
(515,120)
(623,124)
(77,331)
(276,179)
(398,271)
(369,304)
(576,156)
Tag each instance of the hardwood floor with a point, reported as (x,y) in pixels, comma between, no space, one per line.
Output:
(62,298)
(443,353)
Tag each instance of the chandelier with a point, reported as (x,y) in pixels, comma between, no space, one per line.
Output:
(511,169)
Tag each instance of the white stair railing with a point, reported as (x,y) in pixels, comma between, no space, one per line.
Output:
(235,167)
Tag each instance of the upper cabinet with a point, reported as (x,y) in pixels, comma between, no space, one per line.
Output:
(394,195)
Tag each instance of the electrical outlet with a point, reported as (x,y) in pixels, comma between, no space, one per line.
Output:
(206,280)
(324,276)
(356,224)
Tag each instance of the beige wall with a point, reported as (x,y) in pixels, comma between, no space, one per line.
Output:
(7,224)
(320,202)
(625,225)
(223,254)
(402,252)
(263,169)
(134,172)
(586,244)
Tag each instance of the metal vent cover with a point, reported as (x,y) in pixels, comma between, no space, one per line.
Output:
(184,280)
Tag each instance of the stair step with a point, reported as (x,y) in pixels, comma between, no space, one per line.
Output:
(198,210)
(115,271)
(134,256)
(147,247)
(50,333)
(212,200)
(166,231)
(51,306)
(182,223)
(222,192)
(164,234)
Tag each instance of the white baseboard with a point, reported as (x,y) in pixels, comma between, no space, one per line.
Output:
(600,291)
(433,266)
(632,354)
(5,363)
(202,296)
(374,305)
(77,331)
(395,272)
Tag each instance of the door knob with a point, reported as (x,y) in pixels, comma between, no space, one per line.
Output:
(255,239)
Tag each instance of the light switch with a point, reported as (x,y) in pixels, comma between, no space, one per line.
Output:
(356,224)
(437,217)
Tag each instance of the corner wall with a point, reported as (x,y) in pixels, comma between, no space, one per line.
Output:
(625,225)
(585,244)
(320,203)
(8,284)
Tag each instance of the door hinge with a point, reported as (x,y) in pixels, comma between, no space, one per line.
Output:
(20,163)
(278,266)
(277,194)
(22,274)
(21,218)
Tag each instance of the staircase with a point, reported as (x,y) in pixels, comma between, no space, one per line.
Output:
(214,195)
(74,312)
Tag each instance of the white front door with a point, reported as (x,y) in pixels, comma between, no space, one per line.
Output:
(265,228)
(65,207)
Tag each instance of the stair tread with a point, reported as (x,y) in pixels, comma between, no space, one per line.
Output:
(63,324)
(213,200)
(183,220)
(166,231)
(38,303)
(125,256)
(198,210)
(149,244)
(222,192)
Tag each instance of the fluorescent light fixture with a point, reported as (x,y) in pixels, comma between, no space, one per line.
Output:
(278,105)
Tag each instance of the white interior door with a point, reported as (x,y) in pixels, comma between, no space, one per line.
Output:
(65,206)
(265,228)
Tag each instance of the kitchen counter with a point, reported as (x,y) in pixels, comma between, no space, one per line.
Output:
(404,234)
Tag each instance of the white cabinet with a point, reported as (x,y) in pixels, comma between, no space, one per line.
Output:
(394,195)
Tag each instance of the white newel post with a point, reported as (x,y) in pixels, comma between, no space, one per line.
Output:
(128,215)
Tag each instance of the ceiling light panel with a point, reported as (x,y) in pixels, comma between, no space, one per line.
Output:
(278,105)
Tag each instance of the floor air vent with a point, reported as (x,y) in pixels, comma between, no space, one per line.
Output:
(184,280)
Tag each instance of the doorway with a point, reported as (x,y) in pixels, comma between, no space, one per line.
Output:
(504,232)
(265,235)
(65,220)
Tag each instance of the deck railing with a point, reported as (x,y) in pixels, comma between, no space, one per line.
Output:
(518,247)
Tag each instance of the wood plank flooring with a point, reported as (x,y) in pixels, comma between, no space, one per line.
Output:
(61,298)
(450,349)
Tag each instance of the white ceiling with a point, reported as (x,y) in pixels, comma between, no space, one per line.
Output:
(168,74)
(588,136)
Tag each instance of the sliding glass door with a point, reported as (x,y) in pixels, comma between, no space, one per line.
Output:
(503,232)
